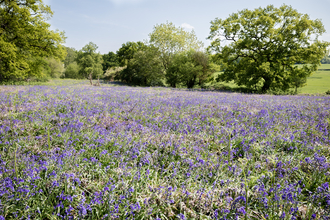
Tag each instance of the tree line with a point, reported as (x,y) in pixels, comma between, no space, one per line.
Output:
(265,49)
(172,56)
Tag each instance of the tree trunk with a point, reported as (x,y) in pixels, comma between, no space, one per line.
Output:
(98,81)
(90,78)
(191,83)
(266,85)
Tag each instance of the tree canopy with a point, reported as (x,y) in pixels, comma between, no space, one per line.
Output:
(261,47)
(70,57)
(146,68)
(170,40)
(190,68)
(142,64)
(109,60)
(127,51)
(25,38)
(89,61)
(55,68)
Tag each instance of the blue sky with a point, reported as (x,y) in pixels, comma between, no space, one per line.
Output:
(110,23)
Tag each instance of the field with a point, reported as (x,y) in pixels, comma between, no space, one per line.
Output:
(325,66)
(117,152)
(318,83)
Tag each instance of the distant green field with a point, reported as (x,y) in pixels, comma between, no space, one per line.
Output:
(325,66)
(319,82)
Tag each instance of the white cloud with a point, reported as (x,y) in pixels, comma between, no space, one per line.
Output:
(187,26)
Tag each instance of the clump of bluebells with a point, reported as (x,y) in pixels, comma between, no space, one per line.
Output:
(78,152)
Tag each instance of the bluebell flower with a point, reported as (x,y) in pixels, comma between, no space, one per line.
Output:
(181,216)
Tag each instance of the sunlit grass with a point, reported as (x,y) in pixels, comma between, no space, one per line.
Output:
(318,83)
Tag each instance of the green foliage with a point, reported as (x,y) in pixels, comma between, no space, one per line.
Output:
(171,40)
(208,68)
(127,51)
(113,73)
(25,39)
(182,70)
(109,60)
(89,61)
(264,44)
(325,60)
(38,69)
(55,68)
(145,68)
(70,57)
(317,83)
(190,68)
(142,64)
(72,71)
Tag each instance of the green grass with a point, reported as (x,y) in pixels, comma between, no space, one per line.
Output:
(50,82)
(324,66)
(319,83)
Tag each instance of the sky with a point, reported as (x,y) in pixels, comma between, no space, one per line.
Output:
(111,23)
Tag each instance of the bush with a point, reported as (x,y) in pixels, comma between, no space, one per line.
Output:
(113,73)
(72,71)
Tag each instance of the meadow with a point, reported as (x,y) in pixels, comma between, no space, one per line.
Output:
(116,152)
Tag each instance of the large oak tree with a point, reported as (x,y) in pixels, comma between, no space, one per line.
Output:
(262,46)
(25,38)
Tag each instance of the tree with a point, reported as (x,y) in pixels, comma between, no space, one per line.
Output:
(109,60)
(183,70)
(38,70)
(208,68)
(145,68)
(127,51)
(189,68)
(113,73)
(263,45)
(171,40)
(55,68)
(89,61)
(70,57)
(72,71)
(25,39)
(325,60)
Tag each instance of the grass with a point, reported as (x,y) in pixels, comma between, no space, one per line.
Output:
(325,66)
(50,82)
(115,152)
(318,83)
